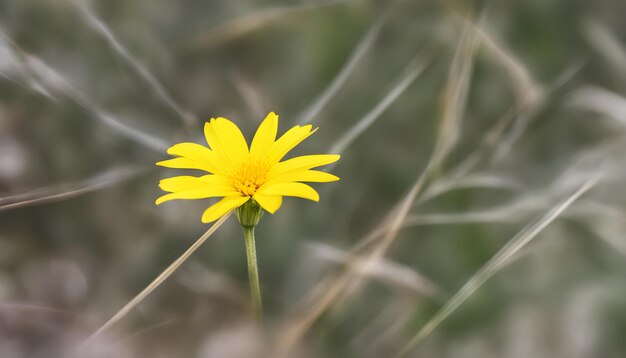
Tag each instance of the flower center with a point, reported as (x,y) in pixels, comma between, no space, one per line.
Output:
(249,176)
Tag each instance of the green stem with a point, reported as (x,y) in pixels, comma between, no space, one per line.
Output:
(253,270)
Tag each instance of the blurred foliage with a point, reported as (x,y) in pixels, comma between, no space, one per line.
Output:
(91,94)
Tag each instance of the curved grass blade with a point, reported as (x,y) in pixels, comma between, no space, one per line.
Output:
(51,194)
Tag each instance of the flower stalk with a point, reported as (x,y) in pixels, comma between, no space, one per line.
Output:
(249,215)
(253,270)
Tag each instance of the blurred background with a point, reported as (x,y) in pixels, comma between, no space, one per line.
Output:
(480,212)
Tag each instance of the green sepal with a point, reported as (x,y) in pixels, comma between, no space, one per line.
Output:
(249,214)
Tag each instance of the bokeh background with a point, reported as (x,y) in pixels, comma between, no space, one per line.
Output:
(480,211)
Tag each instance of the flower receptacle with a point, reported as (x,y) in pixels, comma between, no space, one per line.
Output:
(249,214)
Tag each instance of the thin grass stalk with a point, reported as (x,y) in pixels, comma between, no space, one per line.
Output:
(156,282)
(52,194)
(103,30)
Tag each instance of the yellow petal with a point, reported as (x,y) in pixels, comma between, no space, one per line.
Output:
(197,193)
(301,163)
(225,138)
(271,203)
(290,189)
(184,163)
(202,155)
(185,182)
(215,180)
(223,206)
(180,183)
(264,136)
(315,176)
(288,141)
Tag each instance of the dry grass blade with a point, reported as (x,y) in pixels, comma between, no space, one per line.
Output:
(455,94)
(601,101)
(309,114)
(249,23)
(22,306)
(470,181)
(592,209)
(416,67)
(46,81)
(251,94)
(527,90)
(101,28)
(475,217)
(10,68)
(607,44)
(385,271)
(524,205)
(54,81)
(62,192)
(116,123)
(496,139)
(197,278)
(157,281)
(135,335)
(13,62)
(495,264)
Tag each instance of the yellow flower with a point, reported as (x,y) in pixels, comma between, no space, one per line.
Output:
(238,174)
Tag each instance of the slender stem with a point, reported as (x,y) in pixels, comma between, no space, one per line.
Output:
(253,270)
